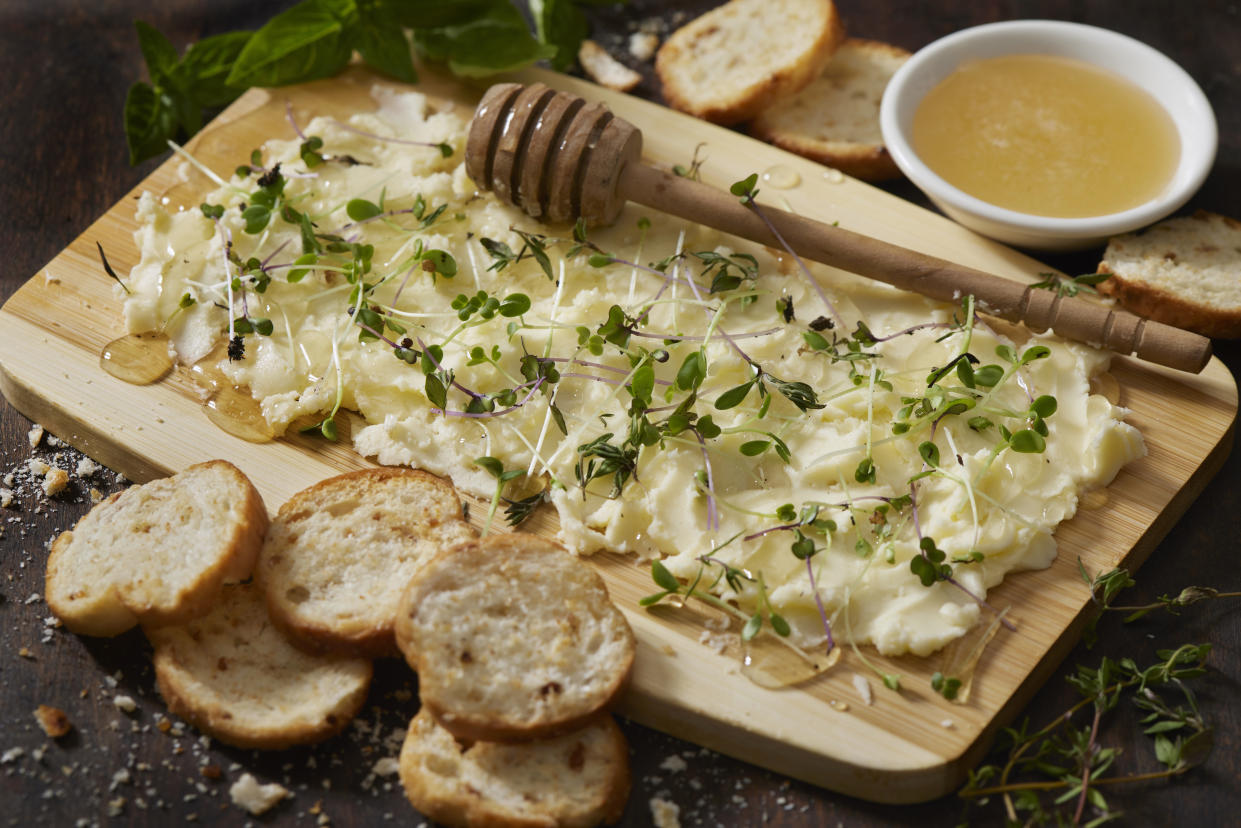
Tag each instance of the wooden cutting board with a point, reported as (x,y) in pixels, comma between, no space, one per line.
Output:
(902,748)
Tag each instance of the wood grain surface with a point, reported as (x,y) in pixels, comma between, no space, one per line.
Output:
(64,161)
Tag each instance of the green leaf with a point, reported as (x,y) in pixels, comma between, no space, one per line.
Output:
(733,397)
(753,448)
(378,37)
(663,578)
(561,25)
(642,386)
(436,392)
(442,263)
(752,627)
(780,625)
(203,71)
(692,371)
(744,187)
(303,43)
(499,42)
(150,122)
(491,465)
(160,55)
(515,304)
(1027,441)
(865,471)
(359,209)
(929,453)
(1044,406)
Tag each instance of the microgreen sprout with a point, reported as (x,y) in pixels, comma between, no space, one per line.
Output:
(1069,286)
(496,469)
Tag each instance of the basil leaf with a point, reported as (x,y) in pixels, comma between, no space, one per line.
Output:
(498,42)
(160,55)
(203,72)
(303,43)
(150,121)
(560,24)
(381,42)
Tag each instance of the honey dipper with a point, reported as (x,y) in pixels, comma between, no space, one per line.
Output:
(558,157)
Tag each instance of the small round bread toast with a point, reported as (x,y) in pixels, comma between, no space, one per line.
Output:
(339,553)
(513,638)
(1183,271)
(580,778)
(835,120)
(157,553)
(735,60)
(235,676)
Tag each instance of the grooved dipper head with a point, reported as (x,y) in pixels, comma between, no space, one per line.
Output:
(550,153)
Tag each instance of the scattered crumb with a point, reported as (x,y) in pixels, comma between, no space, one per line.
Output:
(605,69)
(11,755)
(86,467)
(665,814)
(6,498)
(54,481)
(673,763)
(35,435)
(247,793)
(37,467)
(947,724)
(386,766)
(642,45)
(125,703)
(862,686)
(49,279)
(54,721)
(95,495)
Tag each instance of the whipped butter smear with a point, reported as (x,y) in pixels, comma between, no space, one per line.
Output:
(708,489)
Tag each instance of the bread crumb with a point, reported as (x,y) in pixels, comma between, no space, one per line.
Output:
(54,481)
(125,703)
(605,69)
(863,688)
(35,435)
(6,498)
(947,724)
(86,467)
(37,467)
(665,814)
(642,45)
(54,721)
(116,807)
(95,495)
(673,763)
(386,766)
(247,793)
(11,755)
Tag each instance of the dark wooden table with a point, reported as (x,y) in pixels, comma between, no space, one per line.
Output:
(65,66)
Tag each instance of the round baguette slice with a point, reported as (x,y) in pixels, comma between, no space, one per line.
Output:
(157,553)
(1183,271)
(733,61)
(339,553)
(513,638)
(835,120)
(236,677)
(580,778)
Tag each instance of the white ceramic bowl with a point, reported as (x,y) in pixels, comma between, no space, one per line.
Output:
(1170,85)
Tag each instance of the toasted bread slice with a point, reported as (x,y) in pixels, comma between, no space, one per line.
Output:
(737,59)
(339,553)
(835,120)
(513,638)
(1183,271)
(156,553)
(580,778)
(236,677)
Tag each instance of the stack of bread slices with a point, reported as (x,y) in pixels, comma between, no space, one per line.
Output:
(263,632)
(787,68)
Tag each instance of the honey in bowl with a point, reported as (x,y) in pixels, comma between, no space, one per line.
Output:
(1047,136)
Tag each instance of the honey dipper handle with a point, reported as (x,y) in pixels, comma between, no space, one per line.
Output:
(1038,309)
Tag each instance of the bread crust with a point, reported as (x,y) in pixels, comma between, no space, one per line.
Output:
(263,694)
(507,594)
(308,567)
(1169,245)
(441,778)
(109,603)
(749,97)
(865,161)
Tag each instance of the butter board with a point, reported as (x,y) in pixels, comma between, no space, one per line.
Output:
(898,749)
